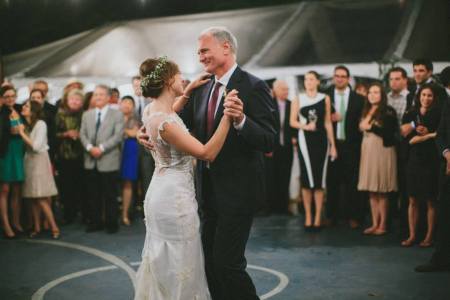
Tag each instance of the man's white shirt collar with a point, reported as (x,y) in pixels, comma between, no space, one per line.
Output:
(403,93)
(346,92)
(226,77)
(103,111)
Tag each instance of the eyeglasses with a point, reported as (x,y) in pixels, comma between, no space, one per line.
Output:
(340,76)
(9,97)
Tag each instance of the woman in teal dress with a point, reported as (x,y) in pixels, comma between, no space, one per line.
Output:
(11,171)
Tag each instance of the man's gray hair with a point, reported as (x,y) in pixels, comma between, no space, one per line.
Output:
(104,87)
(222,34)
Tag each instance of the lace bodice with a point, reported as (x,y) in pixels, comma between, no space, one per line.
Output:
(164,154)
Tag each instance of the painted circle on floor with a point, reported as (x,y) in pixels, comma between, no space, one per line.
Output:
(117,263)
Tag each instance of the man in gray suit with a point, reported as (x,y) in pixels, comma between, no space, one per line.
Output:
(101,135)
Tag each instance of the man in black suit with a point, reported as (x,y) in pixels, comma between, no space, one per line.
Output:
(440,260)
(229,190)
(401,100)
(344,171)
(280,160)
(49,114)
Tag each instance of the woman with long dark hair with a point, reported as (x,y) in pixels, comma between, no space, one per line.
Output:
(423,162)
(39,183)
(378,166)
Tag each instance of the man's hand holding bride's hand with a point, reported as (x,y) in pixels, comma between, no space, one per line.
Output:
(199,81)
(143,139)
(234,107)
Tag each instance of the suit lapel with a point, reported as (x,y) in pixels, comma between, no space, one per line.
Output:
(351,100)
(202,108)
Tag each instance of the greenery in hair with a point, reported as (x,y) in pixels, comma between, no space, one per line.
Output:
(155,75)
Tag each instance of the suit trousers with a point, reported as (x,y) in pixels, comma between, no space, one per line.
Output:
(282,165)
(224,237)
(441,255)
(146,169)
(343,198)
(102,195)
(71,187)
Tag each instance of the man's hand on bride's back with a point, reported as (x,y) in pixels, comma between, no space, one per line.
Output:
(143,139)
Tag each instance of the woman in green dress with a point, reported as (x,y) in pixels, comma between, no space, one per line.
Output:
(11,171)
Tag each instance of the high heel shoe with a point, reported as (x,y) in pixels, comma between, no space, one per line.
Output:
(33,234)
(56,235)
(126,222)
(425,244)
(9,237)
(17,230)
(408,243)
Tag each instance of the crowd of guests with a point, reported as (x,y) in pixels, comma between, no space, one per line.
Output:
(80,155)
(355,146)
(370,150)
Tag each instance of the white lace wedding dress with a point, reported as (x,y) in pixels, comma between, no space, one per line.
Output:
(172,259)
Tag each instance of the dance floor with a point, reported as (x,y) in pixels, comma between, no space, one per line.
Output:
(285,263)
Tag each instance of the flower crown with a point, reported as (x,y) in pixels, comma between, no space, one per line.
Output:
(155,75)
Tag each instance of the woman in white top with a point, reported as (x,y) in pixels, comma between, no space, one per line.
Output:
(39,183)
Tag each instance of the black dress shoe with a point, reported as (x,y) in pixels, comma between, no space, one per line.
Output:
(93,228)
(432,267)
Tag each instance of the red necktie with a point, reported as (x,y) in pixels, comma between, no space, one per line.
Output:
(212,109)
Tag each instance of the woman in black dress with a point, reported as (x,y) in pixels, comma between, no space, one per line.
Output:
(423,162)
(310,113)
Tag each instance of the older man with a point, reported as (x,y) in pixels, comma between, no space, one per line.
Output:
(101,134)
(230,189)
(281,158)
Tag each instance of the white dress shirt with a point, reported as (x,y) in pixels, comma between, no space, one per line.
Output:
(337,106)
(398,102)
(103,111)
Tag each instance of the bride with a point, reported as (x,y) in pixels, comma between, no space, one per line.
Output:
(172,260)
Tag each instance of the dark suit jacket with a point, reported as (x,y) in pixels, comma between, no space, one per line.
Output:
(49,112)
(5,127)
(289,132)
(237,174)
(443,132)
(389,128)
(352,117)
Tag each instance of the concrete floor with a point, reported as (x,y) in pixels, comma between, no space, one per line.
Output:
(286,263)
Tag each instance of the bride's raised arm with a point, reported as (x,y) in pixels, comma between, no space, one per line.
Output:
(181,101)
(173,134)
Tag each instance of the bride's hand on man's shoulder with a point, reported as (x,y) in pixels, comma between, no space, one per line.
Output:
(197,82)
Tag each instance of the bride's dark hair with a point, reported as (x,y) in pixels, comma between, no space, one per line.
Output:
(156,73)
